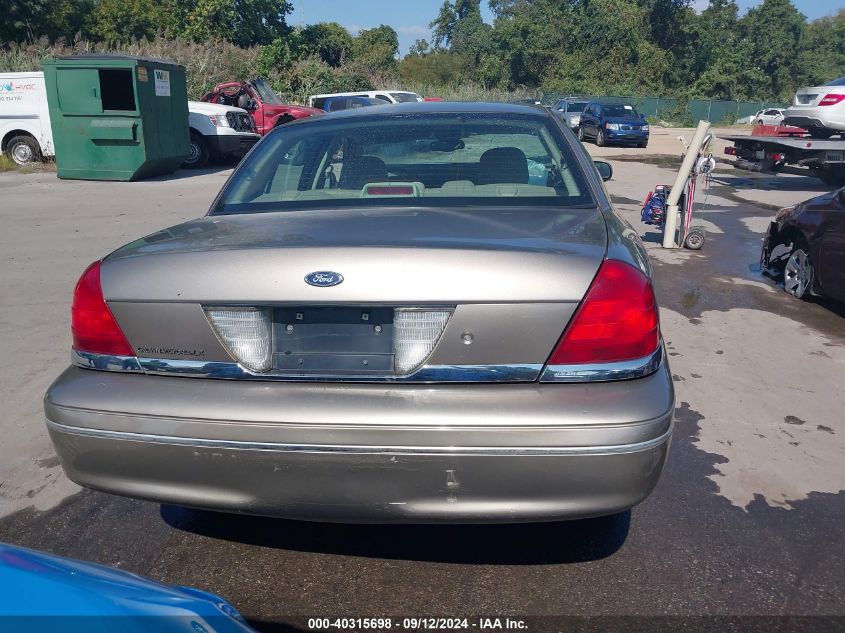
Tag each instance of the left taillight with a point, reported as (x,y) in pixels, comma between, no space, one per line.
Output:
(94,327)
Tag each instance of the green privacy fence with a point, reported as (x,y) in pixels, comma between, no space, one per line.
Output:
(719,111)
(694,109)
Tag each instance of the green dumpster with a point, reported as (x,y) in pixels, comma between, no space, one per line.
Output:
(117,117)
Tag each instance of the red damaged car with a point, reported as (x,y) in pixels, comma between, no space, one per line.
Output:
(266,108)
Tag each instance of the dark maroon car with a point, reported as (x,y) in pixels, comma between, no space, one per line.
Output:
(806,245)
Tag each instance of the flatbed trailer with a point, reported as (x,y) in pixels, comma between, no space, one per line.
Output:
(825,159)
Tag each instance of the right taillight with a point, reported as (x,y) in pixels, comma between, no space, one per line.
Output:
(832,99)
(617,320)
(94,327)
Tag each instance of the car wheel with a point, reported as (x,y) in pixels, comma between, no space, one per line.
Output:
(798,272)
(695,239)
(758,122)
(821,133)
(600,140)
(198,153)
(24,150)
(580,134)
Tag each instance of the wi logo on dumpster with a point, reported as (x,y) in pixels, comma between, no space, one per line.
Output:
(162,82)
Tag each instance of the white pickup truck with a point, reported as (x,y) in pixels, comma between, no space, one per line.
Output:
(217,131)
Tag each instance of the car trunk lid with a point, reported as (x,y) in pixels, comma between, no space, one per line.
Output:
(402,256)
(484,290)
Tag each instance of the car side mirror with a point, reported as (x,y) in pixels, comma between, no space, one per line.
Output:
(605,169)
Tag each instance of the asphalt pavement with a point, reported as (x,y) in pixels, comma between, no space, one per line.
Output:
(746,521)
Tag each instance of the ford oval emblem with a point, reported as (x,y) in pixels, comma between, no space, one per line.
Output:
(323,278)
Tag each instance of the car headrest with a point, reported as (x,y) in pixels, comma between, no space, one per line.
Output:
(357,172)
(503,165)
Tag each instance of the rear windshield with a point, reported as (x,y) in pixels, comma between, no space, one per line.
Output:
(405,97)
(346,103)
(576,106)
(621,111)
(837,82)
(438,159)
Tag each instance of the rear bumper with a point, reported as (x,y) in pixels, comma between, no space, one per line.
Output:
(366,453)
(832,117)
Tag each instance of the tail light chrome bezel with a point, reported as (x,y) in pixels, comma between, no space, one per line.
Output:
(605,372)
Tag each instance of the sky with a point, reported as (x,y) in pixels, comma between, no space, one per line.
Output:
(410,18)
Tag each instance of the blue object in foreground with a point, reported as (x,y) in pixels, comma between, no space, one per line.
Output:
(40,592)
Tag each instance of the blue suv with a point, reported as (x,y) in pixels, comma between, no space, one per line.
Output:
(613,123)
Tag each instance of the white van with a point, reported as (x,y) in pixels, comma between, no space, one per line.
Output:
(25,132)
(388,96)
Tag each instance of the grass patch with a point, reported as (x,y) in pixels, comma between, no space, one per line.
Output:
(7,164)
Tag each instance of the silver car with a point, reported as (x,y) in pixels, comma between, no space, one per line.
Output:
(819,109)
(571,109)
(422,313)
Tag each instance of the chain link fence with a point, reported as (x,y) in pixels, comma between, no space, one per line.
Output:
(669,108)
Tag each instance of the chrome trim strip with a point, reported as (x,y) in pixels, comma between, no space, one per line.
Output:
(475,373)
(606,371)
(627,370)
(366,450)
(232,370)
(426,373)
(105,362)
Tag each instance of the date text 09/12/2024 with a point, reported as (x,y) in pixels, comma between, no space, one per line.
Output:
(415,624)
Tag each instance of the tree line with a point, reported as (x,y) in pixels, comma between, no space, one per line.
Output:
(631,47)
(635,47)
